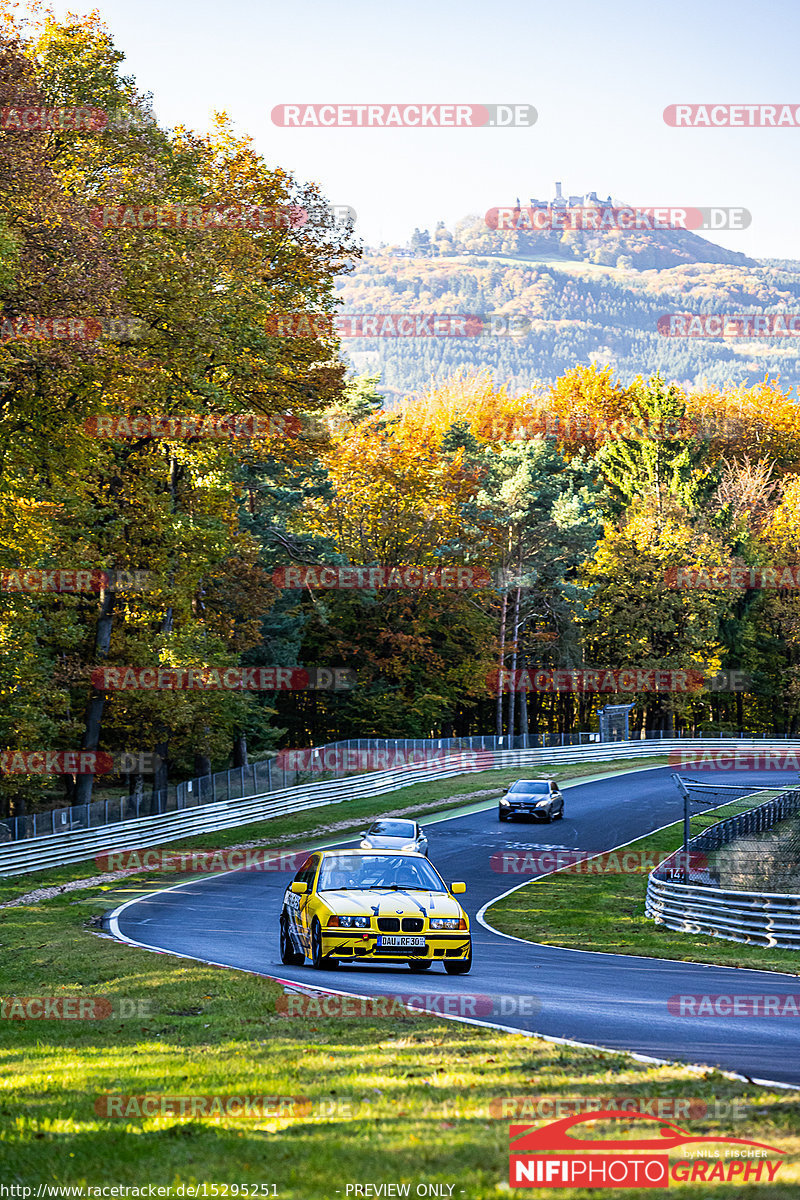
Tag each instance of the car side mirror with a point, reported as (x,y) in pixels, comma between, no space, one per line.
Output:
(299,889)
(458,889)
(363,833)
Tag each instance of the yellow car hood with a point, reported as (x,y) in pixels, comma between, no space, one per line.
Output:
(391,904)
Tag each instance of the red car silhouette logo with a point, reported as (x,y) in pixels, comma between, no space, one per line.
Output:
(526,1139)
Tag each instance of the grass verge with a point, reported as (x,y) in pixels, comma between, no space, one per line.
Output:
(410,1100)
(584,909)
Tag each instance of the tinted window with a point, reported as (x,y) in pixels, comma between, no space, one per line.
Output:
(403,829)
(532,786)
(307,871)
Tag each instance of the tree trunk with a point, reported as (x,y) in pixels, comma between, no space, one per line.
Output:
(499,712)
(523,702)
(512,696)
(202,764)
(97,700)
(240,750)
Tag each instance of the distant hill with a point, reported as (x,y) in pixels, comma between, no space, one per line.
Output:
(590,296)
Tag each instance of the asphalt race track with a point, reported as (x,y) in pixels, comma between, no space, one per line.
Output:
(606,1000)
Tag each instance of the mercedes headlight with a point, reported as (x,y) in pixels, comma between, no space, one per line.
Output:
(410,846)
(504,803)
(543,804)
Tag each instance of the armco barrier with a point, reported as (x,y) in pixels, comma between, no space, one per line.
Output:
(35,854)
(757,918)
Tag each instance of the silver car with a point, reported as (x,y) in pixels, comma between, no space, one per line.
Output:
(540,799)
(390,833)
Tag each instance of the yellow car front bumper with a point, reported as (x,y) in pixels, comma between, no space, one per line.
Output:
(448,947)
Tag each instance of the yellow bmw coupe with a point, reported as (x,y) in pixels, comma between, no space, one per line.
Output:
(374,906)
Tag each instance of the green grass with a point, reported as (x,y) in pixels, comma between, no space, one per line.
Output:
(397,1100)
(437,796)
(581,910)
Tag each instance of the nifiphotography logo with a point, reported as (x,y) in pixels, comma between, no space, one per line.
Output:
(549,1156)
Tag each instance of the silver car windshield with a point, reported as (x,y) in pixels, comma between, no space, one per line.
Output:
(398,829)
(364,872)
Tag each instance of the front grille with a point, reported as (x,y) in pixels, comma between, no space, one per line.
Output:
(389,924)
(412,924)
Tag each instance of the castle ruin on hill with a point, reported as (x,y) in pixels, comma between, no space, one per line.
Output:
(559,201)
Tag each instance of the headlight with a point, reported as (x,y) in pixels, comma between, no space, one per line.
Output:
(366,845)
(349,922)
(448,923)
(504,802)
(410,846)
(543,804)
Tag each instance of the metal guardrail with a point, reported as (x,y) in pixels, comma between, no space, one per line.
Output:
(35,854)
(697,906)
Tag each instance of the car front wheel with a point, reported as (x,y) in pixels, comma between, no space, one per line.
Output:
(502,816)
(289,956)
(321,961)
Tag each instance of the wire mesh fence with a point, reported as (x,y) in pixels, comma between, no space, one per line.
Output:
(755,849)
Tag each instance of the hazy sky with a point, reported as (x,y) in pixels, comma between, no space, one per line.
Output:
(599,75)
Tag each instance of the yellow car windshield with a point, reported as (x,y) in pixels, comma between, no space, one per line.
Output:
(365,872)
